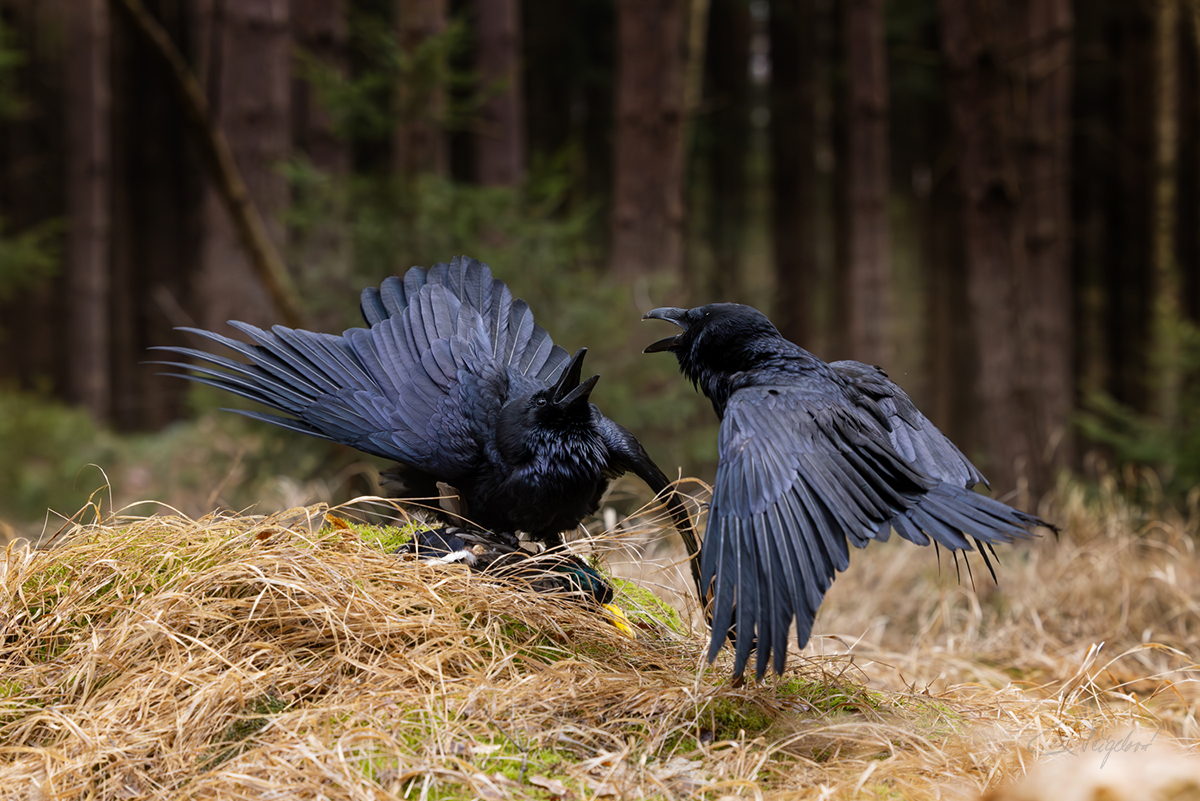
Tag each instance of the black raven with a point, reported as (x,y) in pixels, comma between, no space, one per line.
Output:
(812,456)
(455,383)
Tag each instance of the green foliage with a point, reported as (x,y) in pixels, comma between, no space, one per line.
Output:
(392,84)
(1172,448)
(48,447)
(28,257)
(32,255)
(10,59)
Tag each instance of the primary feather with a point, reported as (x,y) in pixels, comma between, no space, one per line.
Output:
(812,458)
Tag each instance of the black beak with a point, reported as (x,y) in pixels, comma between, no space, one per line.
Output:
(568,390)
(671,315)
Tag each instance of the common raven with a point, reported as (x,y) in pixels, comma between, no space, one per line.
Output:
(455,383)
(812,456)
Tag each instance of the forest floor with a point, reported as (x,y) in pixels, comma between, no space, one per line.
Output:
(292,656)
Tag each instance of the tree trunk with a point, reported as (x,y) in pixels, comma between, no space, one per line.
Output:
(157,198)
(319,29)
(550,29)
(728,102)
(247,47)
(1167,349)
(33,190)
(868,265)
(322,251)
(793,167)
(647,220)
(1188,229)
(89,203)
(1128,280)
(1010,101)
(501,141)
(421,145)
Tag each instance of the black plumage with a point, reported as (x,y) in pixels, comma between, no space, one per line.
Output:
(455,383)
(812,457)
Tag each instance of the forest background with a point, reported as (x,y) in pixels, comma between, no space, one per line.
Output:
(998,202)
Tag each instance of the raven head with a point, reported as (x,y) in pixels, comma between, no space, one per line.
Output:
(549,414)
(717,338)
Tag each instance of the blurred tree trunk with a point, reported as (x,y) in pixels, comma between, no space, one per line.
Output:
(952,371)
(568,86)
(157,199)
(1189,160)
(1010,100)
(550,74)
(322,249)
(421,145)
(89,205)
(727,103)
(1166,352)
(319,30)
(1095,186)
(501,140)
(868,265)
(33,188)
(793,167)
(1128,281)
(246,45)
(834,81)
(647,218)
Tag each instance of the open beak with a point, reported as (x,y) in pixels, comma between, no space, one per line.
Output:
(671,315)
(569,389)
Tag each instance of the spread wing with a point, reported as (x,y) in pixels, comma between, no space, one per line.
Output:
(802,474)
(518,342)
(919,441)
(418,387)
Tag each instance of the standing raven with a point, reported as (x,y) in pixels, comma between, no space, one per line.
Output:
(455,383)
(812,456)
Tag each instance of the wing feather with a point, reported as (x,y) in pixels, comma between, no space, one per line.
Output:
(800,477)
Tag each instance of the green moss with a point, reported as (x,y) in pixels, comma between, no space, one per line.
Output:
(732,718)
(643,606)
(830,696)
(386,538)
(490,755)
(235,739)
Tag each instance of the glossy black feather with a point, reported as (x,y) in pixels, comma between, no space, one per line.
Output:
(455,382)
(813,458)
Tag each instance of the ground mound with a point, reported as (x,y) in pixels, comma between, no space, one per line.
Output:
(291,656)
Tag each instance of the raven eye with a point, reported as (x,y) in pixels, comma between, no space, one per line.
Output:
(540,401)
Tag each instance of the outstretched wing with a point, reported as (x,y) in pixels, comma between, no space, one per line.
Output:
(910,432)
(518,342)
(801,475)
(417,387)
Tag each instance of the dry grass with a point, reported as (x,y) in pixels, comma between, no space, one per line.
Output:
(238,657)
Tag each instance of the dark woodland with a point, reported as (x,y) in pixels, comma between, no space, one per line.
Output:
(996,202)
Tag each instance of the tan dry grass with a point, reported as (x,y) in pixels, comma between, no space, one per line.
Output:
(237,657)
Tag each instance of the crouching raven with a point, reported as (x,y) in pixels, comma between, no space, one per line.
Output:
(455,383)
(812,456)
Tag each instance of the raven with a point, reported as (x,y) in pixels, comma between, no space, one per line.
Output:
(455,383)
(812,456)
